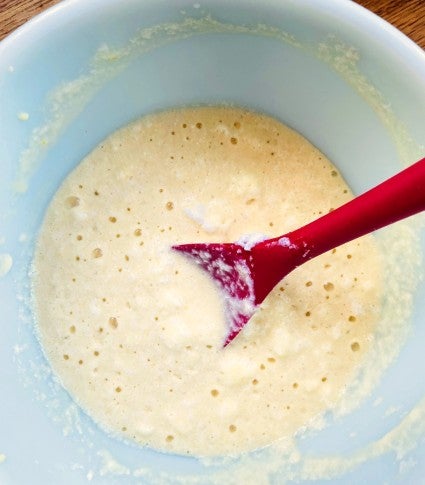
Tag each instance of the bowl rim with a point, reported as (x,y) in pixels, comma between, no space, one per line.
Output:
(386,34)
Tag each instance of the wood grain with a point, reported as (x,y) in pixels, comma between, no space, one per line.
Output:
(407,15)
(14,13)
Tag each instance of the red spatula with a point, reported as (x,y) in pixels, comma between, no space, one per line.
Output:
(246,275)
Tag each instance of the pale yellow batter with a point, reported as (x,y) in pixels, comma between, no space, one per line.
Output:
(134,331)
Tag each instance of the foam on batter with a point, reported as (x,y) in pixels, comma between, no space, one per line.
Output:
(134,331)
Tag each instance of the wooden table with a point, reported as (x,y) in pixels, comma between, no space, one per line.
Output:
(406,15)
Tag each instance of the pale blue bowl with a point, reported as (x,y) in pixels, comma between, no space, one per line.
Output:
(43,442)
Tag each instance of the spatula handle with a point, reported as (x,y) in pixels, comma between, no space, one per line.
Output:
(397,198)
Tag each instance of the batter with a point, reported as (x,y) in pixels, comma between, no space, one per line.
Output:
(135,331)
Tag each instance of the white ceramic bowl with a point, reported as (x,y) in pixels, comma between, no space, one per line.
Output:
(348,81)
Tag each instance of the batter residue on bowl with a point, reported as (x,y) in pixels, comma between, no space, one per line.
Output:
(134,331)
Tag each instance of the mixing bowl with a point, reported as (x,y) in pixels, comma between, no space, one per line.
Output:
(348,81)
